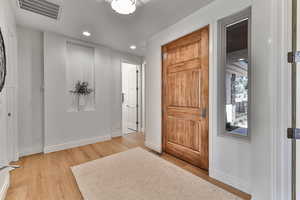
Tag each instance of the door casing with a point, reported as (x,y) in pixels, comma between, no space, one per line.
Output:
(139,95)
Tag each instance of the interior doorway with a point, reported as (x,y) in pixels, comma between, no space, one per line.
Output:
(131,98)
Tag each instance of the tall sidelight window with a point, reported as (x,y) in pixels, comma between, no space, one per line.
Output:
(234,80)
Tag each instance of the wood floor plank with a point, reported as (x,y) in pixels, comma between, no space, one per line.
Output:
(49,177)
(126,142)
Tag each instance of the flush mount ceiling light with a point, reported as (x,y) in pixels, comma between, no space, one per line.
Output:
(86,33)
(124,7)
(132,47)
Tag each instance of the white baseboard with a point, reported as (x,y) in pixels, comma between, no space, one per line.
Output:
(31,151)
(231,180)
(74,144)
(117,133)
(4,188)
(154,147)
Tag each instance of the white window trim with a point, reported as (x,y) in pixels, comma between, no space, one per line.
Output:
(222,24)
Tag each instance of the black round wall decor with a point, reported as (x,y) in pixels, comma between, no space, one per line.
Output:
(2,62)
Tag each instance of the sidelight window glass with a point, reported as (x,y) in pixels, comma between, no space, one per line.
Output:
(235,65)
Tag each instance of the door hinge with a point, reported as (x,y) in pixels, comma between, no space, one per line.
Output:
(293,133)
(294,57)
(137,123)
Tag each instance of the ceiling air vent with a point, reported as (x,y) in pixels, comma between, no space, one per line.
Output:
(41,7)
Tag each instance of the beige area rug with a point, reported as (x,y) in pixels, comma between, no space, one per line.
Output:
(140,175)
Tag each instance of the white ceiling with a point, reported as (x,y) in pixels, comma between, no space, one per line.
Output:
(109,28)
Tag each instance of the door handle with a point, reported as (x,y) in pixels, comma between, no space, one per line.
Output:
(204,113)
(123,97)
(129,106)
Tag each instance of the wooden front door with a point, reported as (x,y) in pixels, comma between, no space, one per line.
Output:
(185,98)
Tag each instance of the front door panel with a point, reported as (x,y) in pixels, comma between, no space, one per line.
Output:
(185,98)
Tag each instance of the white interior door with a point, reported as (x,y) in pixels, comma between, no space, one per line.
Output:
(11,124)
(129,97)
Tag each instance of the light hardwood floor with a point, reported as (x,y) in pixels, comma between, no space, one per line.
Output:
(48,176)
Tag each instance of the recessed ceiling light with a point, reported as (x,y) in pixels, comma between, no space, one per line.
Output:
(86,33)
(132,47)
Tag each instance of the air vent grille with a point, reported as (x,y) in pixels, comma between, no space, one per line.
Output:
(41,7)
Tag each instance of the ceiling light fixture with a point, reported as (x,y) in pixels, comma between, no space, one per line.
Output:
(86,33)
(124,7)
(133,47)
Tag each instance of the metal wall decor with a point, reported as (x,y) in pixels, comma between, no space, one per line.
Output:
(2,62)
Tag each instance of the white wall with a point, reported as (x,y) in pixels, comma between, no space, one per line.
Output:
(245,165)
(65,129)
(8,27)
(30,95)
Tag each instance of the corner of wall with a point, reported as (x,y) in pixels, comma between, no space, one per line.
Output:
(32,150)
(116,133)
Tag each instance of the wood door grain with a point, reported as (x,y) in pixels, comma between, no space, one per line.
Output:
(185,98)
